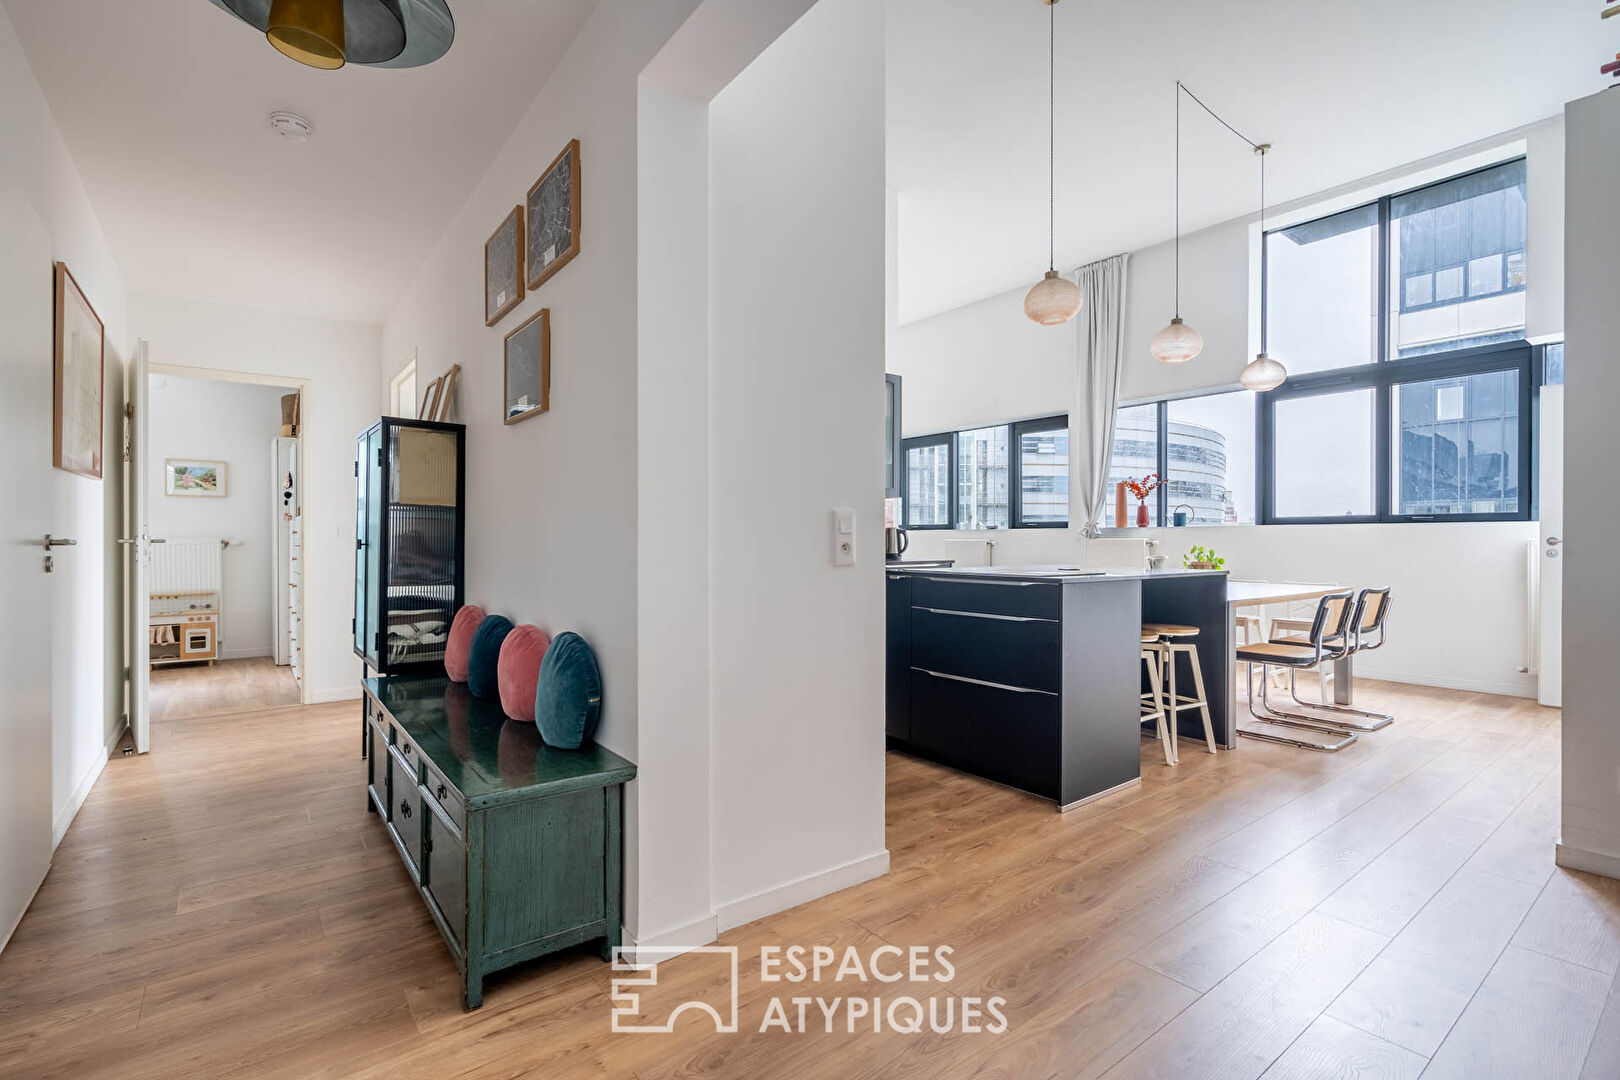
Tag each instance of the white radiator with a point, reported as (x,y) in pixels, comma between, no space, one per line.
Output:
(188,566)
(1532,608)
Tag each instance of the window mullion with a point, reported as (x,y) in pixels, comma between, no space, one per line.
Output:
(1164,460)
(1015,480)
(1382,294)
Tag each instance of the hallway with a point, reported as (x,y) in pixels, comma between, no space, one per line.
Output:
(184,691)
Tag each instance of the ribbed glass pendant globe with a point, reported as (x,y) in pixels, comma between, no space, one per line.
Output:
(1053,300)
(1263,373)
(1176,343)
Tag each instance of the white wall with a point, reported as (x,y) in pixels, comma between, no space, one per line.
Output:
(797,338)
(233,422)
(343,395)
(35,157)
(986,363)
(1591,821)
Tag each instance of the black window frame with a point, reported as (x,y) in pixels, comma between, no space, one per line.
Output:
(1387,371)
(1015,469)
(1161,495)
(1382,378)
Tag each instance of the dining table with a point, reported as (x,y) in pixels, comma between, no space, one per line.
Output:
(1242,597)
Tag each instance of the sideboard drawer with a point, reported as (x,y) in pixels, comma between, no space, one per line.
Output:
(377,765)
(405,812)
(445,795)
(1019,650)
(1034,599)
(446,873)
(406,749)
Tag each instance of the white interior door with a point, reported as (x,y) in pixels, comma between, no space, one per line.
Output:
(26,389)
(1550,682)
(137,542)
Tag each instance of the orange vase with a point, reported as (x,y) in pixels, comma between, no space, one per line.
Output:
(1141,515)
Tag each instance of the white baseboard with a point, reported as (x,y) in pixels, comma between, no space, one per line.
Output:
(1475,686)
(59,827)
(671,943)
(805,889)
(247,653)
(342,693)
(1593,862)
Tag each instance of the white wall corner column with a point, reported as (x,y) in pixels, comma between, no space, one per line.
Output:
(1590,833)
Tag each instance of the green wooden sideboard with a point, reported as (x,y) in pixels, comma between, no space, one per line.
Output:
(514,846)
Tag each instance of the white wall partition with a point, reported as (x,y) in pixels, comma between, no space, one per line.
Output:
(1591,821)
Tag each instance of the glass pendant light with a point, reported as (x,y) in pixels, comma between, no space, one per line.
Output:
(328,34)
(1263,372)
(1178,342)
(1053,300)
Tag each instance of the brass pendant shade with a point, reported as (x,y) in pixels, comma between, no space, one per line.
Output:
(308,31)
(328,34)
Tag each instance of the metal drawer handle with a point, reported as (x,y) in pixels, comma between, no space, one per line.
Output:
(982,682)
(986,581)
(440,792)
(404,808)
(983,615)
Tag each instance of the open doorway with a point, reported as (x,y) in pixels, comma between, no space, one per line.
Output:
(222,613)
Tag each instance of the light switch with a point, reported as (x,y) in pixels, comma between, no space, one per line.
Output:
(843,537)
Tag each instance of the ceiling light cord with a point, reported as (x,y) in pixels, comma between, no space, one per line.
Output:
(1051,135)
(1178,198)
(1252,144)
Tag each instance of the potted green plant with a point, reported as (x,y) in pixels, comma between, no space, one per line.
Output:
(1202,558)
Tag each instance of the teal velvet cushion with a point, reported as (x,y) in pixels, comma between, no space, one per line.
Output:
(568,698)
(483,665)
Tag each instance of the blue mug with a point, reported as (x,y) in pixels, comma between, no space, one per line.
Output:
(1178,517)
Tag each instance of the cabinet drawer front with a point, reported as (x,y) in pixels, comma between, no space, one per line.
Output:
(446,872)
(377,764)
(1009,649)
(1003,735)
(406,749)
(1034,599)
(405,812)
(442,792)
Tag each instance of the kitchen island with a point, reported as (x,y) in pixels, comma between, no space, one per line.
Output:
(1030,675)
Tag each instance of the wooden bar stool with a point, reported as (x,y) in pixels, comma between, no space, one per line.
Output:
(1176,640)
(1153,699)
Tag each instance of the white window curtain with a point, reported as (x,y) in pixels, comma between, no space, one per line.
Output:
(1096,388)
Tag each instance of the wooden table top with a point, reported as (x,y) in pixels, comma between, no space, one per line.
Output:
(1260,593)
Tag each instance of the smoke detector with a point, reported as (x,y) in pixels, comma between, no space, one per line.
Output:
(291,127)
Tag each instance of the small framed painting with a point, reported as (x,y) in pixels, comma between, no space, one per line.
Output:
(526,386)
(503,268)
(80,341)
(552,213)
(194,479)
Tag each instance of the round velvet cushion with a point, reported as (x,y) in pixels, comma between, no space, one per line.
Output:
(519,670)
(483,665)
(568,700)
(458,649)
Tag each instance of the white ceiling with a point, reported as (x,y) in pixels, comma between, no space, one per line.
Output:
(1342,91)
(163,104)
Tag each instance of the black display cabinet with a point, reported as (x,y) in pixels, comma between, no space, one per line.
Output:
(410,538)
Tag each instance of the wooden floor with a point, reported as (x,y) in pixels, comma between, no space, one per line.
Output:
(227,686)
(224,907)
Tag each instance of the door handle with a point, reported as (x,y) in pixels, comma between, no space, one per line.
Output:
(1553,541)
(57,541)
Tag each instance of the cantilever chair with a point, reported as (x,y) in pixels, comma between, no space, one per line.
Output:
(1329,631)
(1372,608)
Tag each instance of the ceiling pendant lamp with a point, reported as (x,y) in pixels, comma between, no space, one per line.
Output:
(1178,342)
(1263,372)
(1053,300)
(328,34)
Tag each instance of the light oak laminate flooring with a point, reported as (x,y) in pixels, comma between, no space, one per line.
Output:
(180,691)
(225,907)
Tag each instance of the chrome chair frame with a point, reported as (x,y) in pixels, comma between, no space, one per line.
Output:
(1350,644)
(1320,635)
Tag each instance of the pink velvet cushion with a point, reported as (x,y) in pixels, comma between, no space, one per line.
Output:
(519,671)
(458,649)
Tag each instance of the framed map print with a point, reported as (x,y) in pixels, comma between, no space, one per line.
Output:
(503,268)
(526,383)
(80,340)
(552,214)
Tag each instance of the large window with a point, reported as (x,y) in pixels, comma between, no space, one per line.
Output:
(1007,476)
(1204,449)
(1422,411)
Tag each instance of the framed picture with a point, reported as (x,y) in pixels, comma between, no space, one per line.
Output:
(552,217)
(194,479)
(431,396)
(80,342)
(526,385)
(503,268)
